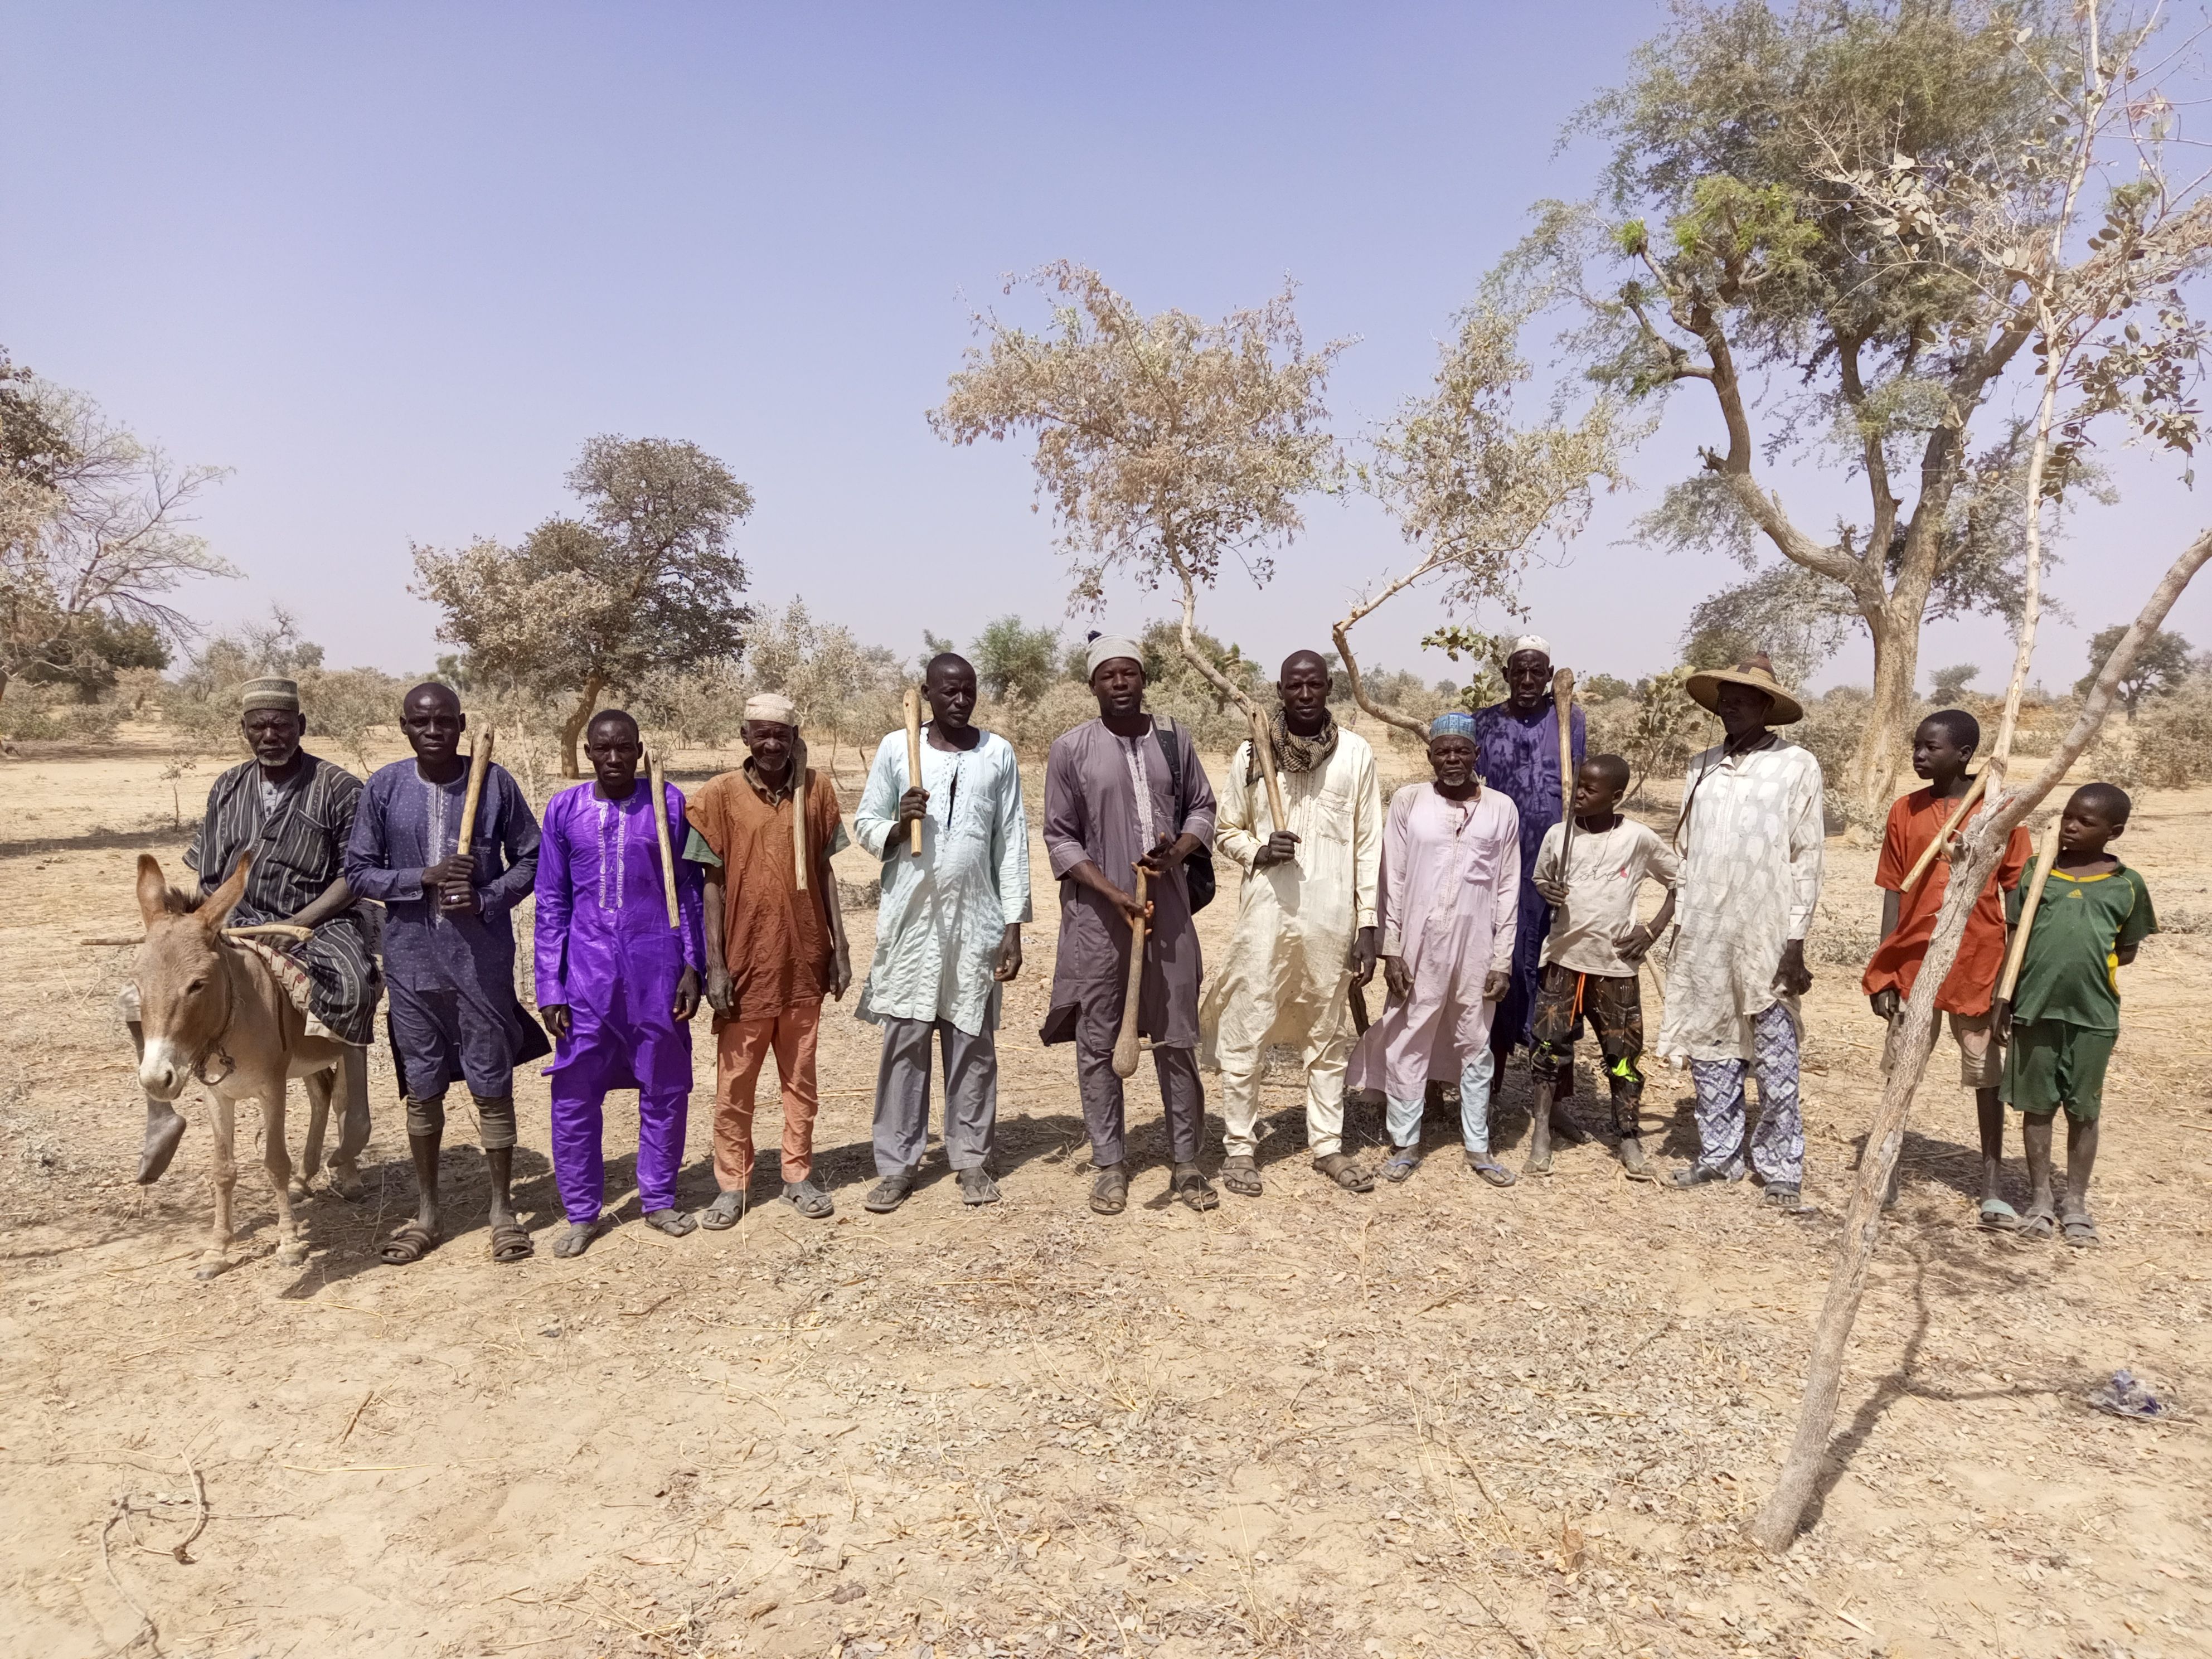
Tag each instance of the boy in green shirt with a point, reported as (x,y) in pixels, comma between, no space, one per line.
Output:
(2064,1014)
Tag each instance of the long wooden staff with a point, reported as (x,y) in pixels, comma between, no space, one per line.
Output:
(2043,859)
(798,806)
(1263,750)
(479,764)
(1563,699)
(1929,854)
(661,830)
(1125,1045)
(914,758)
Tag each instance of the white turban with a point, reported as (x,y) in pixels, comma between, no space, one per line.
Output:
(1107,646)
(772,707)
(1535,642)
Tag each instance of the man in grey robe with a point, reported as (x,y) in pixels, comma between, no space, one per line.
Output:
(1111,805)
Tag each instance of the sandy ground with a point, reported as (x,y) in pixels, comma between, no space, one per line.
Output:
(1437,1419)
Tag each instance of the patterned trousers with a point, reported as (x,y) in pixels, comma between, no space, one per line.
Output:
(1777,1146)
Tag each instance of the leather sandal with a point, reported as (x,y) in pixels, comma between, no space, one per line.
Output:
(1109,1190)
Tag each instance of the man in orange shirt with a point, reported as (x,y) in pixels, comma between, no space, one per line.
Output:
(1942,747)
(772,951)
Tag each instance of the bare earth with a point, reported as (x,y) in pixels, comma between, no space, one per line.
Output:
(1438,1419)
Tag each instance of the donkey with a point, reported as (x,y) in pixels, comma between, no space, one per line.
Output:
(216,1014)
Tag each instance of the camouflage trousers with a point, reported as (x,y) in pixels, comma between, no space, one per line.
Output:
(1613,1007)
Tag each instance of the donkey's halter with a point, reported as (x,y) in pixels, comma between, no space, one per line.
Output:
(215,1049)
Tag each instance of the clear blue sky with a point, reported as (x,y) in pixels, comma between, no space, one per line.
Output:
(393,263)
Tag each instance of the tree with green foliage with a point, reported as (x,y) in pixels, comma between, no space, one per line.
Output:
(645,579)
(1165,444)
(2162,665)
(1015,660)
(1738,245)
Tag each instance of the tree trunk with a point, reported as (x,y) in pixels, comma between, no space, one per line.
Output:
(1875,759)
(572,726)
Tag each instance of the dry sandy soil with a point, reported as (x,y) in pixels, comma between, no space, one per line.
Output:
(1437,1419)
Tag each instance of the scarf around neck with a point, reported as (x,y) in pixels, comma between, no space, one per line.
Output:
(1294,753)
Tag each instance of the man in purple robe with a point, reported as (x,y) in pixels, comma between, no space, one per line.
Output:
(618,982)
(1519,741)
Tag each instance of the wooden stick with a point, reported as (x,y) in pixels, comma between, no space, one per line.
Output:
(256,929)
(913,759)
(1930,853)
(479,764)
(1125,1045)
(661,832)
(2047,856)
(1263,750)
(798,806)
(1563,699)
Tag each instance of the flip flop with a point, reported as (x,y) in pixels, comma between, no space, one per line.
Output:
(2079,1231)
(1240,1175)
(1999,1216)
(976,1186)
(510,1243)
(1401,1163)
(410,1241)
(1495,1173)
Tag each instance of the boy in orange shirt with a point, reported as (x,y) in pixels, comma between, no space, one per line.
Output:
(1942,747)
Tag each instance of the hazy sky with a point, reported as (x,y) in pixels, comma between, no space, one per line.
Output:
(393,263)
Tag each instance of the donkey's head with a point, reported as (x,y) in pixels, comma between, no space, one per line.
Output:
(184,984)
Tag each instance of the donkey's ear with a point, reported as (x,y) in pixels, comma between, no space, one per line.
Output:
(214,909)
(153,890)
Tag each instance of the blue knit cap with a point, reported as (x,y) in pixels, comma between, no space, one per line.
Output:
(1456,724)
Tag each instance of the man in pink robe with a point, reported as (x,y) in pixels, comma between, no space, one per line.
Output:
(1450,892)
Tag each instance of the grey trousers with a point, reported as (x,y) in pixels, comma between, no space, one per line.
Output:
(971,1096)
(1181,1093)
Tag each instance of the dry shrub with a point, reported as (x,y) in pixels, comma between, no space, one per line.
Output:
(2172,734)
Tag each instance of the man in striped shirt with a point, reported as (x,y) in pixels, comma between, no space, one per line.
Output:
(294,811)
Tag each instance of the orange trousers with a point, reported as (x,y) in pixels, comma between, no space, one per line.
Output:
(741,1048)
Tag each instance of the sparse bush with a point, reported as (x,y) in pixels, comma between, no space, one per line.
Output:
(2174,736)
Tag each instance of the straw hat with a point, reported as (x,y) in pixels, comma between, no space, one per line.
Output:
(1705,689)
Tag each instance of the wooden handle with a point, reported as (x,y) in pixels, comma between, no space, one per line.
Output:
(2043,859)
(913,760)
(661,832)
(1263,750)
(1125,1045)
(479,764)
(1930,853)
(1563,700)
(799,808)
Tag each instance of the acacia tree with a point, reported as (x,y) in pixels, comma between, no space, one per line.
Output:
(95,535)
(2116,342)
(1730,251)
(1474,495)
(2162,665)
(645,579)
(1165,443)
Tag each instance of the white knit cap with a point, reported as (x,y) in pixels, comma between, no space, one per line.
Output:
(772,707)
(1107,646)
(1535,642)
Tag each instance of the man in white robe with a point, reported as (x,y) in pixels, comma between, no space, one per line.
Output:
(948,932)
(1750,834)
(1305,922)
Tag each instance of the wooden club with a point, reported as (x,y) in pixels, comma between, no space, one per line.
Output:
(798,806)
(913,759)
(661,830)
(479,764)
(1263,750)
(1125,1044)
(1563,700)
(2043,859)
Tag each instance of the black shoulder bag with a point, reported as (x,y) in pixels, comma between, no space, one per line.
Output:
(1197,868)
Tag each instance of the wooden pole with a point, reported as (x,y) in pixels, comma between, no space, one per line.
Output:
(1263,750)
(1563,700)
(1930,854)
(1125,1044)
(2045,857)
(661,832)
(913,759)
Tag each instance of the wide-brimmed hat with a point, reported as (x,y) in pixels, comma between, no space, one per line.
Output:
(1705,689)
